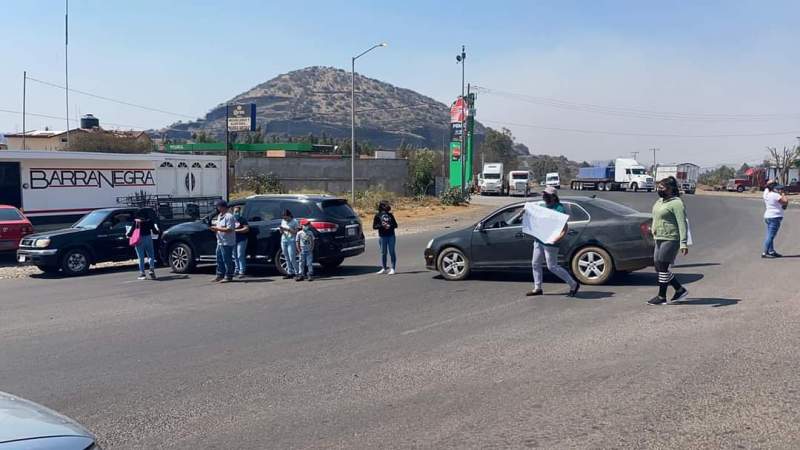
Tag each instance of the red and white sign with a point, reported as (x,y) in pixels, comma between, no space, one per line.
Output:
(457,111)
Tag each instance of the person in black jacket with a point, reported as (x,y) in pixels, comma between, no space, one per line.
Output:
(145,222)
(385,223)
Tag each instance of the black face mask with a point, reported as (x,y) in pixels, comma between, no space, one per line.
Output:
(663,193)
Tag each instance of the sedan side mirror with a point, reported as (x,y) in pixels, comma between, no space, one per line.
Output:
(481,227)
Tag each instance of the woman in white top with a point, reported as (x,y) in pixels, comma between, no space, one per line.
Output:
(775,201)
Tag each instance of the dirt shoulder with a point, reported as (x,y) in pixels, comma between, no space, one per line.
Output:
(419,218)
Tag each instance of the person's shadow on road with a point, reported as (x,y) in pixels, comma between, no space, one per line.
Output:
(713,302)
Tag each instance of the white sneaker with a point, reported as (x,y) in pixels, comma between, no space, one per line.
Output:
(382,271)
(392,272)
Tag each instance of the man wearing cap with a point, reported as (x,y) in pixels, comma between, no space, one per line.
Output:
(225,228)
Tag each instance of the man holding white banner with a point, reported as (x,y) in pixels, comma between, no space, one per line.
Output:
(547,225)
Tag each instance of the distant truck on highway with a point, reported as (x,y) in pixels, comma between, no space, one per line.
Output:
(622,174)
(685,173)
(493,179)
(552,179)
(519,182)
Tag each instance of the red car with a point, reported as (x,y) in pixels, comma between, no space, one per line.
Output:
(13,227)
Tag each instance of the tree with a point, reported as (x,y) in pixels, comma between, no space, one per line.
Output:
(421,166)
(783,160)
(109,142)
(498,146)
(718,176)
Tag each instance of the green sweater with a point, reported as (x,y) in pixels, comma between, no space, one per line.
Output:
(669,220)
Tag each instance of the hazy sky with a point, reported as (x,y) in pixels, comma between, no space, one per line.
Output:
(716,68)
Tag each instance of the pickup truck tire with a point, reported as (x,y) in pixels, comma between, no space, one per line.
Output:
(49,269)
(75,261)
(453,264)
(740,189)
(181,258)
(592,266)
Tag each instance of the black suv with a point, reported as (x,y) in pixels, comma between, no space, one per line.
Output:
(336,226)
(99,236)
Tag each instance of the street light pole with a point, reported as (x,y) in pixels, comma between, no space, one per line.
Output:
(353,119)
(462,58)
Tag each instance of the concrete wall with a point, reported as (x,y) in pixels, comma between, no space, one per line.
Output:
(330,175)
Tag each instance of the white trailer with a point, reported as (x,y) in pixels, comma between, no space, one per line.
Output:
(685,173)
(519,182)
(493,179)
(58,187)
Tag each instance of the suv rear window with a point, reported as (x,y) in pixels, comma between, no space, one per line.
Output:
(338,209)
(300,210)
(9,214)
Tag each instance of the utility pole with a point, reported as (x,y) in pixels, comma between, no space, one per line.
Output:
(66,63)
(462,58)
(654,150)
(24,89)
(227,156)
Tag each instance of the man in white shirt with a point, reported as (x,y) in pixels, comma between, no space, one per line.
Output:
(776,202)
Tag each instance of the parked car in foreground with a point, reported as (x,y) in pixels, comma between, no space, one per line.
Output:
(604,237)
(13,227)
(25,425)
(336,226)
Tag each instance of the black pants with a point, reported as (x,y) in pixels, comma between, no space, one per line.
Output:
(663,257)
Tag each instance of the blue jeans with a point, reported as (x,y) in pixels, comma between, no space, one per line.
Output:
(225,261)
(773,225)
(290,253)
(240,257)
(145,248)
(387,244)
(306,264)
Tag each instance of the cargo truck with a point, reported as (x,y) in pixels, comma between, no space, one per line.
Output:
(493,179)
(685,173)
(519,182)
(622,174)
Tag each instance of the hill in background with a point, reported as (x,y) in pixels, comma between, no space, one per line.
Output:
(316,100)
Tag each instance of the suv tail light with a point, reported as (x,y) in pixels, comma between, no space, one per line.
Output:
(646,230)
(325,227)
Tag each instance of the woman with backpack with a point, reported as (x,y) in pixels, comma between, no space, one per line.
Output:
(140,237)
(385,223)
(670,231)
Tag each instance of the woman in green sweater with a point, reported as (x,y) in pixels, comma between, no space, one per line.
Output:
(670,233)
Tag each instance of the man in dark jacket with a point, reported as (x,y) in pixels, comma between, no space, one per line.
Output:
(385,223)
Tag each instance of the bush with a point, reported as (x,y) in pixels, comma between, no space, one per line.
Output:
(261,183)
(420,172)
(454,197)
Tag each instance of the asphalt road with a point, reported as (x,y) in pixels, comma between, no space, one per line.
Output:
(358,360)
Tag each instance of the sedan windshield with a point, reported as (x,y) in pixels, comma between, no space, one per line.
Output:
(91,220)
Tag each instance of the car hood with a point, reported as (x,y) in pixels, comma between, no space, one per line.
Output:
(23,419)
(453,235)
(55,233)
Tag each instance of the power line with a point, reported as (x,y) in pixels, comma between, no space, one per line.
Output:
(624,133)
(634,112)
(119,125)
(122,102)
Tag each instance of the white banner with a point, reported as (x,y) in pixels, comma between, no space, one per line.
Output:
(543,223)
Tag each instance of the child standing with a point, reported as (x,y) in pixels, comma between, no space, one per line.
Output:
(305,248)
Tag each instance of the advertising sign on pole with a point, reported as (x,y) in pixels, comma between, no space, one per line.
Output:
(242,117)
(457,111)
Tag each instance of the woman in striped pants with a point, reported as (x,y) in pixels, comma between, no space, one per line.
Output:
(670,232)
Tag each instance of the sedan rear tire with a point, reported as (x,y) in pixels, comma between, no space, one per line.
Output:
(453,264)
(592,265)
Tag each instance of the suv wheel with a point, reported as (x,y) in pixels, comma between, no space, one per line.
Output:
(330,264)
(453,264)
(75,262)
(592,266)
(181,258)
(280,263)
